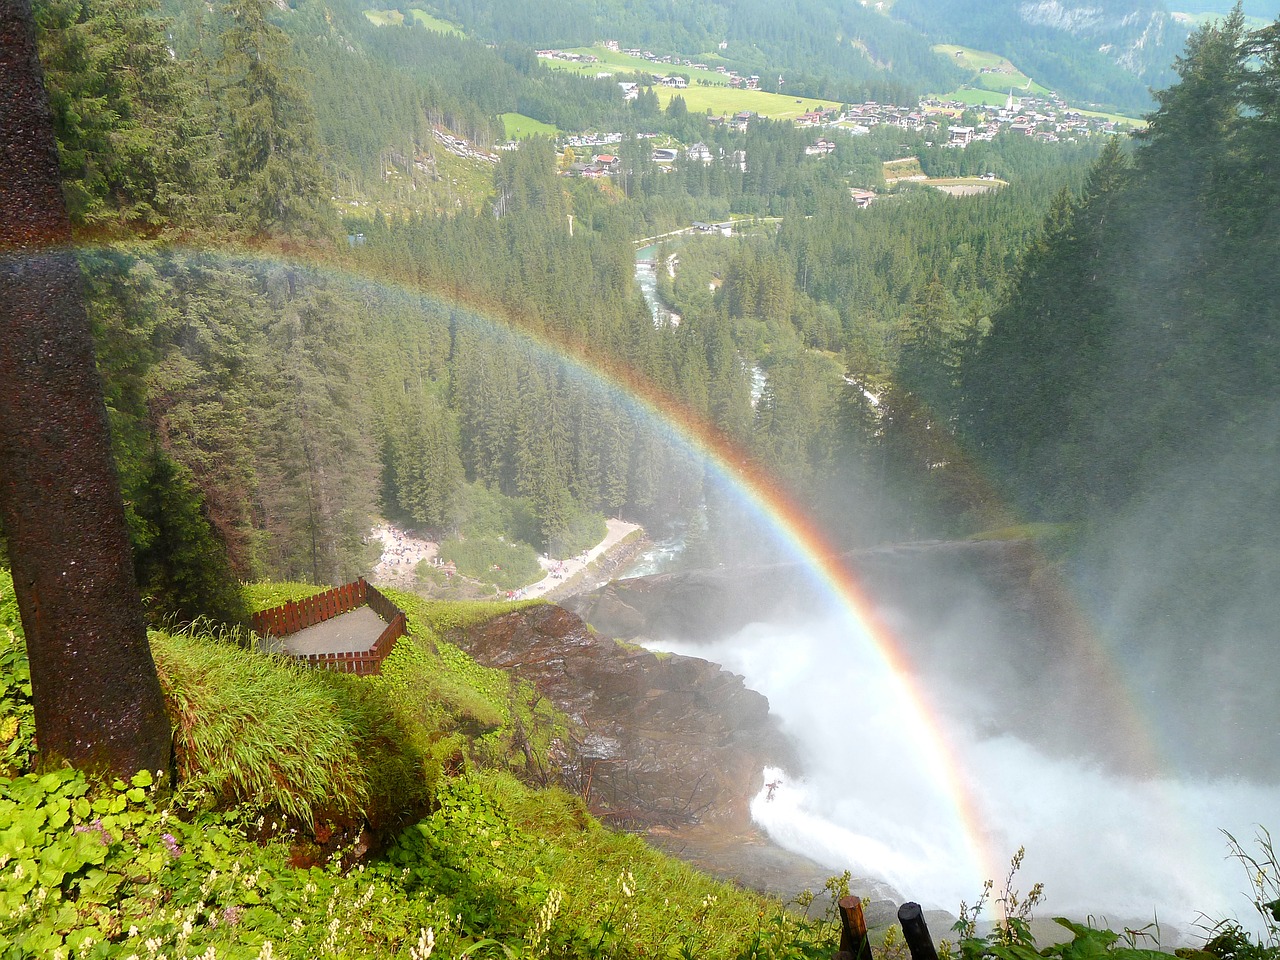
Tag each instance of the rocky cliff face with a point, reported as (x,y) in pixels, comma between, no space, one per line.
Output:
(1136,38)
(662,741)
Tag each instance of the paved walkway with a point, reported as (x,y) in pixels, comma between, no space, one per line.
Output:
(353,632)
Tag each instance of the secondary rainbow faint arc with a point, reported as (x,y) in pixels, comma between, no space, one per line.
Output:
(764,494)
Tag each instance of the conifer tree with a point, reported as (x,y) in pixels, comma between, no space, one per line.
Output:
(270,151)
(135,139)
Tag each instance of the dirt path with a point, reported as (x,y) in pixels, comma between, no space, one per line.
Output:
(559,571)
(401,553)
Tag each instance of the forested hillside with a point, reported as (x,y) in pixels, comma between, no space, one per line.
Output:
(277,404)
(834,51)
(1129,383)
(1108,55)
(273,405)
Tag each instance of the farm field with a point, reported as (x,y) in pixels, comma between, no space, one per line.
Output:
(518,127)
(725,100)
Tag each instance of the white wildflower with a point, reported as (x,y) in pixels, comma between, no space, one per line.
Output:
(426,943)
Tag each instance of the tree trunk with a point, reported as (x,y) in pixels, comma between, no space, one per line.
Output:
(98,702)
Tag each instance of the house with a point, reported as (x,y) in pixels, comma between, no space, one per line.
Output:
(629,90)
(960,136)
(700,152)
(862,198)
(819,149)
(664,155)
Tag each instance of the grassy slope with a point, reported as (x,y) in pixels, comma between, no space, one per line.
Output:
(387,18)
(518,127)
(993,88)
(722,101)
(1006,77)
(292,759)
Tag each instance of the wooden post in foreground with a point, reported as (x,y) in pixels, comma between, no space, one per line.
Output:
(853,931)
(916,932)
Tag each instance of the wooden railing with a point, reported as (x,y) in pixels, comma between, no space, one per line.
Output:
(297,615)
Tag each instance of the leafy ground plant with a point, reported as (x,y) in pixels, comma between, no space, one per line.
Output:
(1010,936)
(1228,940)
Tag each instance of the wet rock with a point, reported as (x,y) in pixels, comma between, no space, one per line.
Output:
(662,740)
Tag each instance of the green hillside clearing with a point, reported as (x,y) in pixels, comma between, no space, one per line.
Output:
(991,71)
(725,101)
(387,18)
(518,127)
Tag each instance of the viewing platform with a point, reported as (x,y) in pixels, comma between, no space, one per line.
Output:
(350,629)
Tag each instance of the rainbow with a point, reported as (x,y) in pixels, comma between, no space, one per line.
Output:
(779,513)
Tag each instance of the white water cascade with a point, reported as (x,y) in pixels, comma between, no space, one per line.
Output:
(1123,849)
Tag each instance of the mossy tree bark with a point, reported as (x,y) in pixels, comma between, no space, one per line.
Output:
(98,702)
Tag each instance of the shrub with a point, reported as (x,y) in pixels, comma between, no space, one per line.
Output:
(17,715)
(490,560)
(583,531)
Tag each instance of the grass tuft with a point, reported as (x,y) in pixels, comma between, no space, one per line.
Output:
(259,730)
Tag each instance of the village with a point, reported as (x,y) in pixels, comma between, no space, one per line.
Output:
(950,122)
(1048,118)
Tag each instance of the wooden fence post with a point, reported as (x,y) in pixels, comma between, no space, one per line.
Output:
(853,930)
(916,932)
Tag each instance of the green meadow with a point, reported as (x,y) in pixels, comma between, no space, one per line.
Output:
(725,100)
(388,18)
(972,97)
(1005,76)
(518,127)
